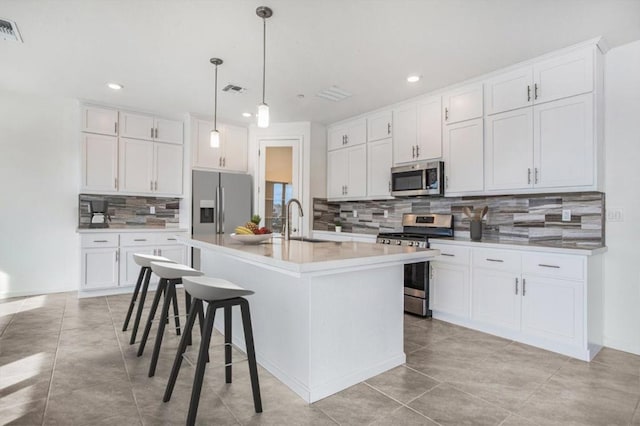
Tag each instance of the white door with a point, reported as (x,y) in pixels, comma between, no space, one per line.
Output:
(204,156)
(235,148)
(100,120)
(99,162)
(169,131)
(509,150)
(357,171)
(405,133)
(464,103)
(379,169)
(449,289)
(99,268)
(278,182)
(463,156)
(129,269)
(337,174)
(168,168)
(567,75)
(379,126)
(496,298)
(509,91)
(429,114)
(136,165)
(136,126)
(563,142)
(553,309)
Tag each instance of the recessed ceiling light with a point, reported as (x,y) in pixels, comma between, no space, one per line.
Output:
(413,78)
(114,86)
(246,114)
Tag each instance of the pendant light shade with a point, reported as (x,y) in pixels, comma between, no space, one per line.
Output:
(263,109)
(214,136)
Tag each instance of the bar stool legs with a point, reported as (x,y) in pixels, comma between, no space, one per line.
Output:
(134,297)
(143,296)
(251,354)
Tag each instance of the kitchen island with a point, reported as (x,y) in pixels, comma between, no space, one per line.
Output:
(326,315)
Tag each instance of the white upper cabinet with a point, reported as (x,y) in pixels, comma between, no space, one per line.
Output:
(463,156)
(379,126)
(236,140)
(204,155)
(509,91)
(463,103)
(566,75)
(417,131)
(348,134)
(136,165)
(103,121)
(347,173)
(564,143)
(508,150)
(167,159)
(139,126)
(379,169)
(99,162)
(337,165)
(232,153)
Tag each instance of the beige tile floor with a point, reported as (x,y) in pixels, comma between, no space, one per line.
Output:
(65,361)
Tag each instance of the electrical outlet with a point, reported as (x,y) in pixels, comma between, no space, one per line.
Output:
(152,210)
(386,214)
(355,213)
(566,215)
(615,215)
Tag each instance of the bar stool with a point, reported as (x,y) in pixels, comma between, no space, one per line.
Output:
(170,275)
(143,260)
(218,293)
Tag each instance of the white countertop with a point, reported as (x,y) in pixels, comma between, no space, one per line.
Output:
(302,256)
(128,229)
(512,245)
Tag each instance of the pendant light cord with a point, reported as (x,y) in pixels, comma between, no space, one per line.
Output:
(215,103)
(264,54)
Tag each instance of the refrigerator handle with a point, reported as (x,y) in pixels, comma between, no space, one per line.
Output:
(217,213)
(222,205)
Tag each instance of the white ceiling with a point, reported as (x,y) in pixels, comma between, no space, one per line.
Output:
(159,50)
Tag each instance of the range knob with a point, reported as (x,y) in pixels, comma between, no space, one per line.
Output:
(398,242)
(387,241)
(410,243)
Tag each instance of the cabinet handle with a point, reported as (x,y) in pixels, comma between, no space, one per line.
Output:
(413,151)
(528,93)
(151,186)
(115,127)
(115,183)
(224,161)
(117,256)
(536,175)
(156,133)
(100,241)
(535,91)
(388,128)
(346,190)
(447,254)
(346,139)
(417,151)
(151,133)
(219,161)
(446,114)
(495,260)
(139,239)
(156,186)
(389,186)
(544,265)
(446,182)
(516,286)
(171,239)
(159,252)
(431,273)
(524,287)
(529,175)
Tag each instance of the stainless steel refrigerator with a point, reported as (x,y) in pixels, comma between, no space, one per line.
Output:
(220,202)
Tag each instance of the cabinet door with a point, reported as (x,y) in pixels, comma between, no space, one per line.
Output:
(509,150)
(405,133)
(379,169)
(337,175)
(100,120)
(99,162)
(464,103)
(357,172)
(496,298)
(204,155)
(356,132)
(463,156)
(129,269)
(235,148)
(449,289)
(336,138)
(379,126)
(136,126)
(136,165)
(175,252)
(568,75)
(169,131)
(553,309)
(509,91)
(168,168)
(429,129)
(563,142)
(99,268)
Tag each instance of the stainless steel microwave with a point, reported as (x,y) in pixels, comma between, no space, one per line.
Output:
(424,178)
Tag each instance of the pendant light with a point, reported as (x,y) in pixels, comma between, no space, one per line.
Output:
(263,109)
(214,137)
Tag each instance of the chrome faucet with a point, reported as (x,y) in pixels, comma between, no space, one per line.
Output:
(291,201)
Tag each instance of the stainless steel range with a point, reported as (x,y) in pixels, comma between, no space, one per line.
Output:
(417,230)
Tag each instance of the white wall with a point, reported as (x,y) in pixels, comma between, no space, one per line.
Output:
(39,176)
(622,145)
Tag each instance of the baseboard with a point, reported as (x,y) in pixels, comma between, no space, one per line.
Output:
(11,294)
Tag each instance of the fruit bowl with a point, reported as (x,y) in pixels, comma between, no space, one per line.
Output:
(251,239)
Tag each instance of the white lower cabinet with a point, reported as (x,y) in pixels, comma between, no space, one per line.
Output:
(449,281)
(99,268)
(496,298)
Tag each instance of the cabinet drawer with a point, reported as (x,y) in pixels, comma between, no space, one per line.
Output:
(138,239)
(555,266)
(499,260)
(169,238)
(99,240)
(452,254)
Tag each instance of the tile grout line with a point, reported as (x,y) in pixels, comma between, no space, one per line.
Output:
(402,404)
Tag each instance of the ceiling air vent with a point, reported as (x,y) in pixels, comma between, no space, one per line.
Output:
(9,31)
(232,88)
(334,93)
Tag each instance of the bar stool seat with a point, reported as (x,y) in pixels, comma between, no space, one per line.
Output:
(173,271)
(144,261)
(209,288)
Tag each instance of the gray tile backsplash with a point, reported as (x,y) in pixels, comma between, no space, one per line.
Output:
(132,211)
(535,218)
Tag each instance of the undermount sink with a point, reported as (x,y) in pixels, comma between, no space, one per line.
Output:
(308,240)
